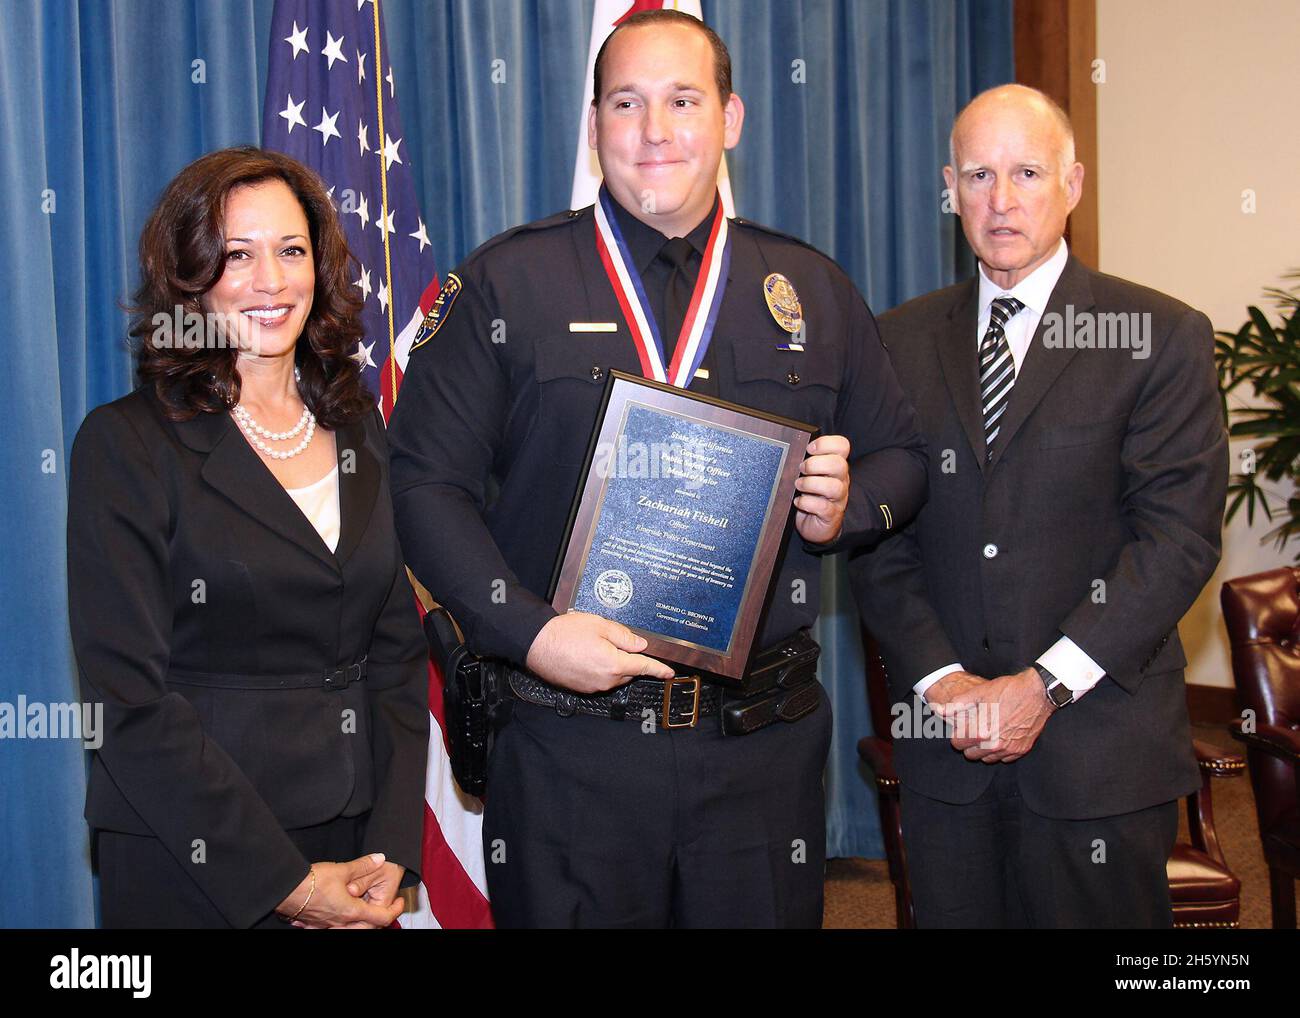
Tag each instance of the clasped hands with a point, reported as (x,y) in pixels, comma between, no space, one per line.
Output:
(994,720)
(356,895)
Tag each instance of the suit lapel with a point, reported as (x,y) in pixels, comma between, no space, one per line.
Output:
(359,477)
(958,357)
(1043,364)
(236,471)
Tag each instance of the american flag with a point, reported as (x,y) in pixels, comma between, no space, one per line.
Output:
(331,103)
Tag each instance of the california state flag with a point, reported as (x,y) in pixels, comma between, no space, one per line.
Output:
(608,15)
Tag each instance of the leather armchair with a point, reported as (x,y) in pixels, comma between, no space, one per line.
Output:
(1262,613)
(1202,888)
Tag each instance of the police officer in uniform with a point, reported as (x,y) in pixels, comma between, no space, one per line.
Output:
(597,814)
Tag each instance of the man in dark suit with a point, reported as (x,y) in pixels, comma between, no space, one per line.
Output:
(1078,463)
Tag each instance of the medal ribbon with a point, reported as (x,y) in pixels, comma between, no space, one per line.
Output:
(701,314)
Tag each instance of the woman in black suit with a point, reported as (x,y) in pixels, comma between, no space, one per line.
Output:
(238,600)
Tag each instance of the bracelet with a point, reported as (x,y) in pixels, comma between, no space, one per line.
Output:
(311,873)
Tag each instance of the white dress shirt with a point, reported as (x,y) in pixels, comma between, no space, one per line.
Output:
(1064,659)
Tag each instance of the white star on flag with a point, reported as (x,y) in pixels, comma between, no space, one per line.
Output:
(326,127)
(389,78)
(361,66)
(298,40)
(383,296)
(330,193)
(363,211)
(333,50)
(363,142)
(362,356)
(364,283)
(420,235)
(292,113)
(385,223)
(390,152)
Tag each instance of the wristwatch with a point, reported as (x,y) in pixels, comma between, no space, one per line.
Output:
(1058,693)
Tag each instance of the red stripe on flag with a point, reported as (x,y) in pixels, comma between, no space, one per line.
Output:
(430,295)
(454,899)
(640,5)
(390,382)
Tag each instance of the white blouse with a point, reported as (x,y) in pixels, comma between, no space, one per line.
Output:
(319,502)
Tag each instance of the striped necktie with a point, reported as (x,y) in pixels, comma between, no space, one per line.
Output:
(997,369)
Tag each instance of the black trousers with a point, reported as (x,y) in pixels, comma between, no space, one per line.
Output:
(996,864)
(142,886)
(596,823)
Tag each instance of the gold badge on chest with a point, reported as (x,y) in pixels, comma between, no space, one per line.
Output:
(783,302)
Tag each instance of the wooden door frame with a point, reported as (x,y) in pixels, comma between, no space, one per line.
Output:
(1055,46)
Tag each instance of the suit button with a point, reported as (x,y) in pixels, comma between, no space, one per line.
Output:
(985,644)
(597,372)
(792,378)
(990,551)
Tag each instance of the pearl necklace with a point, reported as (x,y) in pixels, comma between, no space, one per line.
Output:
(253,430)
(275,436)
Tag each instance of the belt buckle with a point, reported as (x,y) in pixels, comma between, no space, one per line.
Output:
(694,681)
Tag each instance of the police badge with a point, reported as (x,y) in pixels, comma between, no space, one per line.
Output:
(783,302)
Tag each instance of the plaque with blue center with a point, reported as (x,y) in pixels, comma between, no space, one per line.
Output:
(679,519)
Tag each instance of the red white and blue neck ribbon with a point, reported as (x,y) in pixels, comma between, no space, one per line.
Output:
(701,315)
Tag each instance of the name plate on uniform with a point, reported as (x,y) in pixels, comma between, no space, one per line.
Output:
(678,521)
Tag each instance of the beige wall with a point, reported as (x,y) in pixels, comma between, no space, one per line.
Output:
(1199,104)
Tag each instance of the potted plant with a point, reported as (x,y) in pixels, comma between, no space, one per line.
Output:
(1267,356)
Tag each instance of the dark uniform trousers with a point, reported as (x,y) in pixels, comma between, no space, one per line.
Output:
(597,823)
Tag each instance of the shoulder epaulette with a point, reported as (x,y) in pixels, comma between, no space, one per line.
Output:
(750,224)
(550,222)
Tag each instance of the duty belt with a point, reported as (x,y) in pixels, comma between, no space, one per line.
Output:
(780,685)
(677,703)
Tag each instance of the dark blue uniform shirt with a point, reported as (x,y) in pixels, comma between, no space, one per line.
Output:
(498,405)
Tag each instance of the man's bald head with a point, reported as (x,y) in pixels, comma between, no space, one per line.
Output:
(1018,99)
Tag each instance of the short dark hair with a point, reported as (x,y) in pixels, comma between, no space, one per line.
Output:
(183,255)
(642,19)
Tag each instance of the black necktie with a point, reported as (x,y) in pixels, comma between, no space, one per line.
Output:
(997,369)
(676,255)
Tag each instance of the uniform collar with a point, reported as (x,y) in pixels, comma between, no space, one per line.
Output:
(1033,291)
(645,242)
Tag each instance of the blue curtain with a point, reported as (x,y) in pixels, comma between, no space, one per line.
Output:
(104,102)
(100,109)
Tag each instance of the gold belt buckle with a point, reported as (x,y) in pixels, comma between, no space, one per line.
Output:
(668,701)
